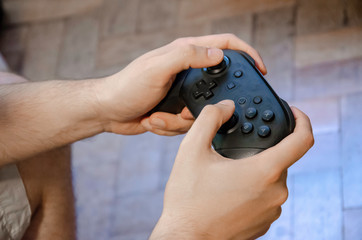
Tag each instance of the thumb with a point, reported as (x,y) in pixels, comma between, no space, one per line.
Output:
(184,56)
(208,123)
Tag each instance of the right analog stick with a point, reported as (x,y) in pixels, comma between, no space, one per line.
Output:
(229,124)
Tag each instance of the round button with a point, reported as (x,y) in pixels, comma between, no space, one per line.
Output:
(242,100)
(267,115)
(264,131)
(257,100)
(251,113)
(247,127)
(218,68)
(238,74)
(229,124)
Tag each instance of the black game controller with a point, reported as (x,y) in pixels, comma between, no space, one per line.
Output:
(261,119)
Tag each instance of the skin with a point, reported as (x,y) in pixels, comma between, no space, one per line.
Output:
(207,196)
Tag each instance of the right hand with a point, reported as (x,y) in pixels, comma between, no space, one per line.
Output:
(212,197)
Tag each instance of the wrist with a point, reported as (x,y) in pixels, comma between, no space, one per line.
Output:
(169,227)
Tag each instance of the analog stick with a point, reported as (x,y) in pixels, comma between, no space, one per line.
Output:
(218,68)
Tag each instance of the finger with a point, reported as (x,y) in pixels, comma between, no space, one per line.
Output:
(228,41)
(167,122)
(208,123)
(291,148)
(186,114)
(147,126)
(185,55)
(165,133)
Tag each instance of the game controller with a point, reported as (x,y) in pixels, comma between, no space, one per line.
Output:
(261,119)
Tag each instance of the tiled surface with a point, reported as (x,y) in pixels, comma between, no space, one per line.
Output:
(318,206)
(274,33)
(352,224)
(318,15)
(312,50)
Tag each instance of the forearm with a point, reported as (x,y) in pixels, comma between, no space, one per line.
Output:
(38,116)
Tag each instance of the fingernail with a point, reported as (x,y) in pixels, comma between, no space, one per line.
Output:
(214,53)
(227,102)
(157,122)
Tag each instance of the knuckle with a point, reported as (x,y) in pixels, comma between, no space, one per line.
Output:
(188,50)
(231,35)
(278,213)
(282,196)
(308,139)
(272,175)
(178,42)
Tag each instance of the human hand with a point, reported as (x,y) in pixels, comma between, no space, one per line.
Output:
(126,97)
(212,197)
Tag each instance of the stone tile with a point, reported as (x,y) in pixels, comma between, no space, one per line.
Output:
(325,154)
(77,58)
(14,38)
(135,214)
(332,79)
(95,170)
(41,10)
(281,229)
(192,30)
(351,130)
(12,45)
(240,25)
(121,50)
(352,187)
(206,10)
(324,113)
(342,44)
(119,17)
(352,224)
(274,32)
(354,12)
(156,15)
(351,151)
(3,65)
(106,71)
(318,206)
(14,59)
(316,16)
(140,166)
(42,50)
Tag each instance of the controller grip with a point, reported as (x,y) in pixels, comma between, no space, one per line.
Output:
(173,103)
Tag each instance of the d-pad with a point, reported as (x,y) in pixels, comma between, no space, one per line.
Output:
(204,89)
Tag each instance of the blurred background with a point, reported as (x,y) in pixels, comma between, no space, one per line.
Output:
(313,52)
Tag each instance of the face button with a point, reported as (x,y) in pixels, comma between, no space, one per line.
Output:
(251,113)
(257,100)
(229,124)
(231,86)
(267,115)
(218,68)
(247,127)
(238,74)
(242,100)
(264,131)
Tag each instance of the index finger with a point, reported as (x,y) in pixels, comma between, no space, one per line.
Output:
(229,41)
(291,148)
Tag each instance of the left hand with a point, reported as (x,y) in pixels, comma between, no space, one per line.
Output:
(126,97)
